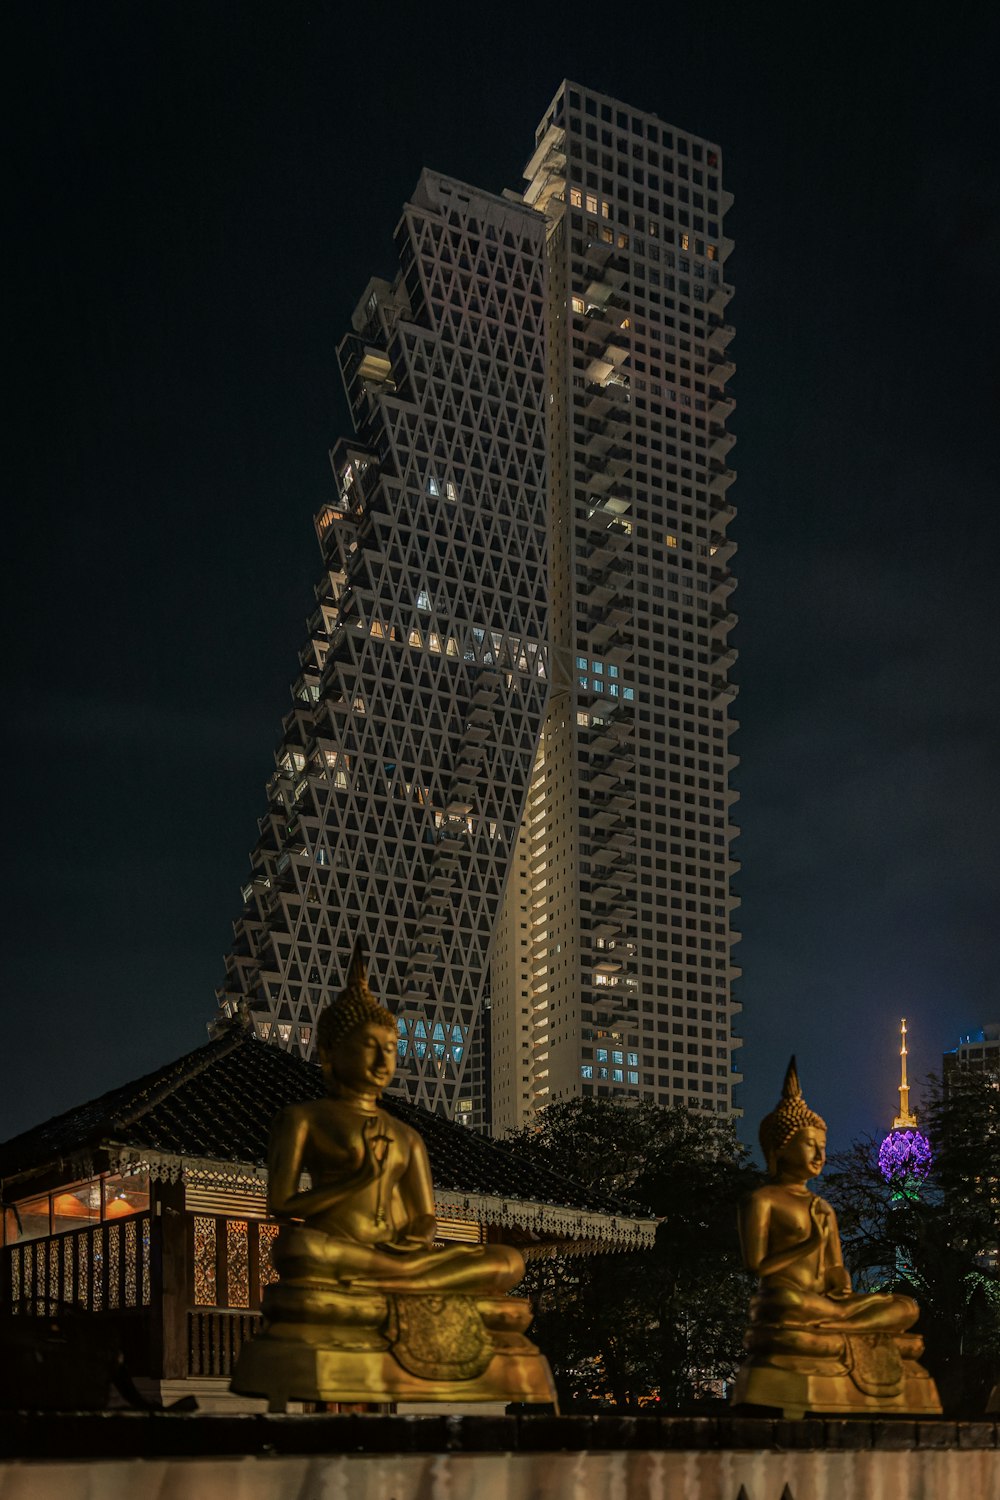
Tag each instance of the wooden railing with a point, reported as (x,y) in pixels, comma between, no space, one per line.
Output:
(215,1339)
(182,1290)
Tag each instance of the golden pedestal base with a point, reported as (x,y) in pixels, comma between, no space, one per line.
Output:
(349,1353)
(870,1374)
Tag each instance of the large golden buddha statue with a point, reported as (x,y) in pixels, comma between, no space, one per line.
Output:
(814,1344)
(367,1308)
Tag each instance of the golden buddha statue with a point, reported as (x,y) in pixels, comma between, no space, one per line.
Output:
(367,1308)
(814,1344)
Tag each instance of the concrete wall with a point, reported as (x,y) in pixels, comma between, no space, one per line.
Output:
(678,1475)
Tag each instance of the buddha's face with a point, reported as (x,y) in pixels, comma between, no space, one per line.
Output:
(804,1156)
(365,1058)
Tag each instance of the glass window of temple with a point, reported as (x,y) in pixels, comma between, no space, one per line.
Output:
(74,1207)
(95,1201)
(33,1215)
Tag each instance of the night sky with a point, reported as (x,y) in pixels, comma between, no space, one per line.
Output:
(200,193)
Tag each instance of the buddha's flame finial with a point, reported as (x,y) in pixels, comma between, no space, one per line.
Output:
(906,1119)
(791,1088)
(789,1115)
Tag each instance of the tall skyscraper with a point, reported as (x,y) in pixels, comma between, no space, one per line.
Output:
(508,761)
(403,771)
(624,886)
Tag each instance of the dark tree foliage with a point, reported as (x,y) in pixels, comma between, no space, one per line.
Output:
(663,1325)
(937,1241)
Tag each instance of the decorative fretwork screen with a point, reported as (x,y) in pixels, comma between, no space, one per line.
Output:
(100,1269)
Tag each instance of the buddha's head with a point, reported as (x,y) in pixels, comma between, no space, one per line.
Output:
(355,1036)
(792,1136)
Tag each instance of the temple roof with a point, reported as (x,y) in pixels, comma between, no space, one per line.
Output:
(216,1105)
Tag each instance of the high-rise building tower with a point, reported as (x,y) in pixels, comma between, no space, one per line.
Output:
(525,610)
(978,1050)
(403,771)
(625,880)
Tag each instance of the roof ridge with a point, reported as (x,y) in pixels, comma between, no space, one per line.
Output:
(182,1071)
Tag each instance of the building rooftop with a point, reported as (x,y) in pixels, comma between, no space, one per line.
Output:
(217,1104)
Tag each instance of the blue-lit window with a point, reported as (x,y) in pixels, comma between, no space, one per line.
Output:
(586,1070)
(602,1072)
(582,681)
(632,1059)
(612,670)
(617,1076)
(599,668)
(629,693)
(601,1054)
(401,1047)
(581,664)
(633,1077)
(420,1048)
(617,1057)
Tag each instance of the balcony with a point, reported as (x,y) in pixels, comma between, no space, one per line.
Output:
(549,152)
(720,335)
(720,444)
(723,692)
(720,369)
(721,295)
(721,620)
(720,478)
(721,583)
(596,442)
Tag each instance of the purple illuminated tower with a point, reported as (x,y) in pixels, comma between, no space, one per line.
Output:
(904,1156)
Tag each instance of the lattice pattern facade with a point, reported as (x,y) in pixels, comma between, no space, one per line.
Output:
(629,831)
(404,767)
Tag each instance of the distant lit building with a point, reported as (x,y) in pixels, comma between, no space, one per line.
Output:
(979,1050)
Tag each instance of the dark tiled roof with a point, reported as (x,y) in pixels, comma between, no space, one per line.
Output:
(218,1103)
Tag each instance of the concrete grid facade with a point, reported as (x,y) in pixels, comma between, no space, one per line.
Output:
(630,827)
(508,764)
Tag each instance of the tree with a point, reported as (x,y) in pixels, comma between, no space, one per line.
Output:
(659,1325)
(938,1241)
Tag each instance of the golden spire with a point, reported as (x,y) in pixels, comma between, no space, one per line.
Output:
(906,1119)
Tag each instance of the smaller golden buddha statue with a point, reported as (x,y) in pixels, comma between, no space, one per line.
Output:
(815,1344)
(367,1307)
